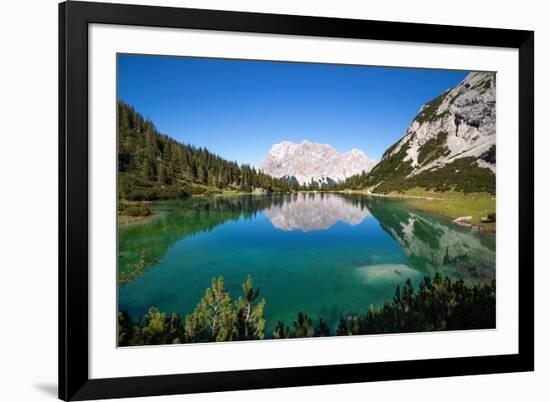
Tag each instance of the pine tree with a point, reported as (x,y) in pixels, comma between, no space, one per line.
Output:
(303,327)
(161,174)
(322,329)
(213,318)
(281,331)
(156,329)
(126,329)
(250,315)
(202,175)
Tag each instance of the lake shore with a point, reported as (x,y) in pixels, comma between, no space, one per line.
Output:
(123,220)
(465,209)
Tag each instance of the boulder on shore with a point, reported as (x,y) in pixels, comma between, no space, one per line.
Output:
(259,191)
(463,220)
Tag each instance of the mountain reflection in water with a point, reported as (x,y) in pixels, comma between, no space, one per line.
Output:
(437,245)
(326,254)
(315,211)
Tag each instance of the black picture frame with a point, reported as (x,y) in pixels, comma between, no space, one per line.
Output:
(74,18)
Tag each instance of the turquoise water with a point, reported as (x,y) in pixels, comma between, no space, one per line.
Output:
(324,254)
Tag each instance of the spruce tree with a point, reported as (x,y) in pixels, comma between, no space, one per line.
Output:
(250,312)
(214,317)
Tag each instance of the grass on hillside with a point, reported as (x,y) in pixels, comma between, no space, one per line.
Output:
(454,204)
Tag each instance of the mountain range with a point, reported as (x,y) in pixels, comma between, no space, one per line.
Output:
(317,165)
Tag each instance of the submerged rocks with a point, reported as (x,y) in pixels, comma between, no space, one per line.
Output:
(386,273)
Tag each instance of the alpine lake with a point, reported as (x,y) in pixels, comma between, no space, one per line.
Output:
(325,254)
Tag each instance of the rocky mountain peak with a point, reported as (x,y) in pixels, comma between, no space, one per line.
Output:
(308,162)
(450,144)
(461,122)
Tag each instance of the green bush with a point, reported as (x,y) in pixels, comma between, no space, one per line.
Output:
(133,210)
(434,148)
(490,156)
(134,188)
(429,111)
(211,192)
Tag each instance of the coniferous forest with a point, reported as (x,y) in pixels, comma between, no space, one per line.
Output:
(153,166)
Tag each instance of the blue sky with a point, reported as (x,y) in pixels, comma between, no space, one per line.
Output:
(238,109)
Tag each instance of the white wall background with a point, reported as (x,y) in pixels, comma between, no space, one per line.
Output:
(28,198)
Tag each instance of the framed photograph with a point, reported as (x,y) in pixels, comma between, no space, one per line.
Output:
(256,200)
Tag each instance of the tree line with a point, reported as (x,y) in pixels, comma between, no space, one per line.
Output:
(436,305)
(154,166)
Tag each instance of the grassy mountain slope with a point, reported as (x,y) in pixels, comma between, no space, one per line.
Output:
(450,145)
